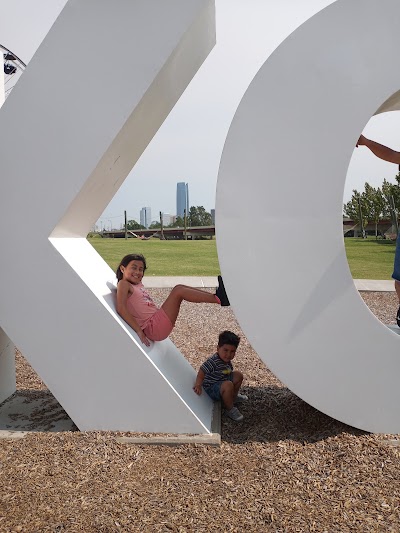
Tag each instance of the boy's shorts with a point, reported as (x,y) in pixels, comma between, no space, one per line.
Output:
(396,269)
(159,326)
(214,390)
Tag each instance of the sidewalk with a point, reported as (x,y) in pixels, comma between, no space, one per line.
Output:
(379,285)
(153,282)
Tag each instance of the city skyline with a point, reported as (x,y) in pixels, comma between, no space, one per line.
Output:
(144,217)
(191,140)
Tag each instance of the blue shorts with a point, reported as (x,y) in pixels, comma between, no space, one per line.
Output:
(214,390)
(396,268)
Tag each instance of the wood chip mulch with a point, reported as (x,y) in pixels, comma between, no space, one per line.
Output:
(286,468)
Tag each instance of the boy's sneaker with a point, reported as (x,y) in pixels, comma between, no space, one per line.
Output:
(221,293)
(235,414)
(240,398)
(398,317)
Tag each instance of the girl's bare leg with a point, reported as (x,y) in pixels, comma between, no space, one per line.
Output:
(182,292)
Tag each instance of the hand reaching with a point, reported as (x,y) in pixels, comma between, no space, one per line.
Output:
(361,141)
(197,389)
(143,337)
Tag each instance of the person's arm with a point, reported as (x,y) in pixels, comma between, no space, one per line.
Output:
(199,382)
(381,151)
(123,289)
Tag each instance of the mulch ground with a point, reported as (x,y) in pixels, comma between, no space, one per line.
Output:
(285,468)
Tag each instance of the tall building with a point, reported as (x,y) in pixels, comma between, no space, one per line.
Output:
(167,219)
(145,216)
(182,199)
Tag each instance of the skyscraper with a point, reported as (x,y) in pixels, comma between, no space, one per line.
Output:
(182,199)
(145,216)
(167,219)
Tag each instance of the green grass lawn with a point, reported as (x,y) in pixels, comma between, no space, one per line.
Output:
(164,258)
(368,258)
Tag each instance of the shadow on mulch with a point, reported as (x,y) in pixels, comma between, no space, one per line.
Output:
(34,410)
(275,414)
(271,414)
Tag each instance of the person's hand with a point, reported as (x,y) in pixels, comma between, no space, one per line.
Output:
(143,337)
(197,389)
(361,141)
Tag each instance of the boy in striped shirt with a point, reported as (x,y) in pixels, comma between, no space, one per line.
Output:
(217,377)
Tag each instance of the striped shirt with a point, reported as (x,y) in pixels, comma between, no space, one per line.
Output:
(216,370)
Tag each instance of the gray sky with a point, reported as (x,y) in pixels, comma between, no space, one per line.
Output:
(189,144)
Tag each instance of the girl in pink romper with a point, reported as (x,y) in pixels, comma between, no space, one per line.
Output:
(136,307)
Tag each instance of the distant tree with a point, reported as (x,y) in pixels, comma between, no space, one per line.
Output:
(155,225)
(352,210)
(198,216)
(132,225)
(391,189)
(179,223)
(375,205)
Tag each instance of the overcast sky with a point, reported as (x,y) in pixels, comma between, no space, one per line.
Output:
(188,146)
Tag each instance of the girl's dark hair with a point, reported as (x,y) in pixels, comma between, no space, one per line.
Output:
(227,337)
(125,262)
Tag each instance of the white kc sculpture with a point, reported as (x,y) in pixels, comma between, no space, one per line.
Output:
(285,159)
(283,172)
(65,150)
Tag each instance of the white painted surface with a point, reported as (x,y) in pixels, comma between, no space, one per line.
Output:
(286,157)
(7,367)
(395,329)
(7,353)
(78,146)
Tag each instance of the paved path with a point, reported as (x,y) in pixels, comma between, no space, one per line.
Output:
(171,281)
(381,285)
(211,281)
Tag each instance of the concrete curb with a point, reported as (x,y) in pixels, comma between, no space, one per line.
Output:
(13,435)
(210,439)
(161,282)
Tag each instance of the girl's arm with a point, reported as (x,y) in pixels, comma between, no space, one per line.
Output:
(199,382)
(123,291)
(381,151)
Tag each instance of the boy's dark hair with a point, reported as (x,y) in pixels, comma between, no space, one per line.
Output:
(125,262)
(227,337)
